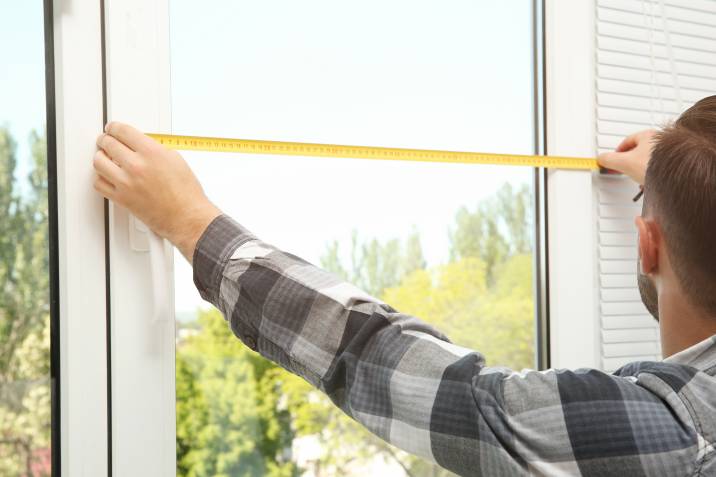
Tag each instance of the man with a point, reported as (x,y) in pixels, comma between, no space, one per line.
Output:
(408,384)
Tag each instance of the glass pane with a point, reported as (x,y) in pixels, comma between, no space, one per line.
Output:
(449,243)
(25,410)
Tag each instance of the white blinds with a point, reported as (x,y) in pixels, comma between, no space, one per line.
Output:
(654,58)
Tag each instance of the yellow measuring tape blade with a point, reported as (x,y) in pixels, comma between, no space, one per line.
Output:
(251,146)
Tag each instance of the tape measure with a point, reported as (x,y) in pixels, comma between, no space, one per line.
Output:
(251,146)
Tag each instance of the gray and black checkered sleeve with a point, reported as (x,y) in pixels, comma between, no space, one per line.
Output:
(407,383)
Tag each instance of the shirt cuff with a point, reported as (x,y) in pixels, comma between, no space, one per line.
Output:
(212,252)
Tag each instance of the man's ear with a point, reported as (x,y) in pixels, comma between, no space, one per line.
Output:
(648,244)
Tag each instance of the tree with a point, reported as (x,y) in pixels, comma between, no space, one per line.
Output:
(231,420)
(496,320)
(374,265)
(498,228)
(239,414)
(514,209)
(24,314)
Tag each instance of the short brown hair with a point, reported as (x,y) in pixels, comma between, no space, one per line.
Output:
(680,191)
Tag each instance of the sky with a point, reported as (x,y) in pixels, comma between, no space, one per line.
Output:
(404,73)
(22,74)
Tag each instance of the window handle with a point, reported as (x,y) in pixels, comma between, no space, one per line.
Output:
(142,239)
(157,259)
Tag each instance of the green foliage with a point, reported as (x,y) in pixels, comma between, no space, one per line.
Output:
(237,414)
(375,266)
(498,228)
(496,320)
(24,314)
(230,418)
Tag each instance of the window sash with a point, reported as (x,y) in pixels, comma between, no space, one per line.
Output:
(142,345)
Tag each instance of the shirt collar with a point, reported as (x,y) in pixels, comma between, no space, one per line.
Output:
(701,356)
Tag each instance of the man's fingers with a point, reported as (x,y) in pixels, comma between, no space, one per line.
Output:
(622,162)
(634,140)
(605,160)
(114,149)
(110,171)
(129,136)
(102,186)
(628,143)
(611,160)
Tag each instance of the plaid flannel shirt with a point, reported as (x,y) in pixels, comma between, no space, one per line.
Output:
(408,384)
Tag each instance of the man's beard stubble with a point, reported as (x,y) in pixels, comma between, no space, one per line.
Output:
(647,290)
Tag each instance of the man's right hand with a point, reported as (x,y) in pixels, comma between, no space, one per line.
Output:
(631,156)
(155,184)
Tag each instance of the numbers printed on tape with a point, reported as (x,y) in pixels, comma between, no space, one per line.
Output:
(251,146)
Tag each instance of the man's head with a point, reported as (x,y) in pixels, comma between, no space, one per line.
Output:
(677,230)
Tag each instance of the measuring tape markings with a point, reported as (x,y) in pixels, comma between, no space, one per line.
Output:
(252,146)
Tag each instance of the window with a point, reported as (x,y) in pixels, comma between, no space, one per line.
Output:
(452,244)
(415,74)
(25,324)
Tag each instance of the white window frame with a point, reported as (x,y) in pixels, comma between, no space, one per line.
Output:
(141,286)
(570,93)
(81,254)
